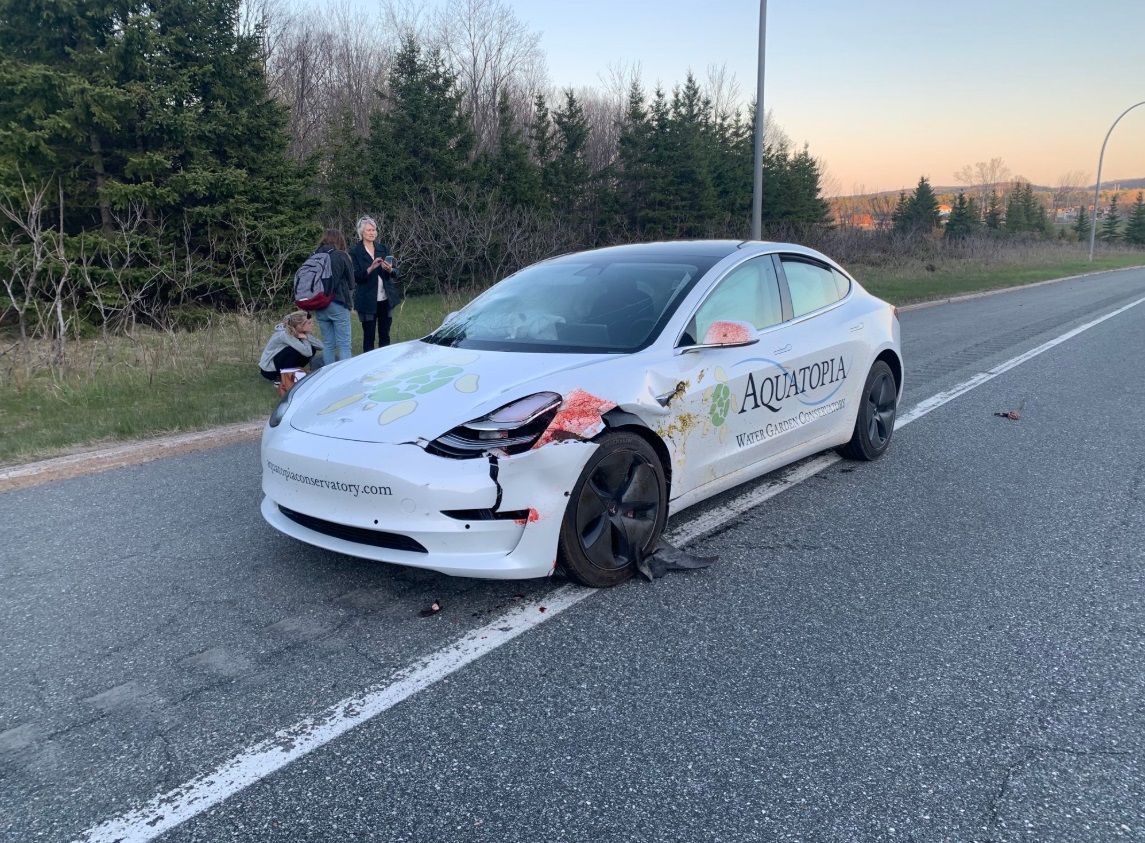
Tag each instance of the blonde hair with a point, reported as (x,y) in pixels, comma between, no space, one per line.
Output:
(294,321)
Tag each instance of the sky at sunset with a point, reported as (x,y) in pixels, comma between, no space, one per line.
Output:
(884,91)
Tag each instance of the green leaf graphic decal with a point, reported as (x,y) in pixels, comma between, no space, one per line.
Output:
(721,404)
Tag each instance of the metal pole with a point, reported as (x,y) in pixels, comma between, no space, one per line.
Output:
(1097,187)
(757,193)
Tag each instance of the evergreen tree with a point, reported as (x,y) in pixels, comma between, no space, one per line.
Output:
(541,132)
(898,215)
(511,174)
(974,212)
(423,139)
(634,159)
(734,139)
(659,204)
(805,207)
(1111,223)
(919,212)
(690,151)
(963,219)
(1135,227)
(565,177)
(1016,221)
(1034,211)
(1081,224)
(345,194)
(993,217)
(163,106)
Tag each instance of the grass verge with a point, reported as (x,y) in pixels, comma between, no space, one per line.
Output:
(101,391)
(929,281)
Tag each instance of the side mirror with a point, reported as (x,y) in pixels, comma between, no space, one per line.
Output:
(726,333)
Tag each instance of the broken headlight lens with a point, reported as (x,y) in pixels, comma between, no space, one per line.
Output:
(513,428)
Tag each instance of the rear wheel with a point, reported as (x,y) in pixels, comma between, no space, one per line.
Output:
(616,512)
(876,419)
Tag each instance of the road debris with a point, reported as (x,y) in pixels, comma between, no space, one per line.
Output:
(432,610)
(1012,415)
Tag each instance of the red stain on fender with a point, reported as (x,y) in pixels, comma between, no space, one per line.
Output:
(721,332)
(533,516)
(578,418)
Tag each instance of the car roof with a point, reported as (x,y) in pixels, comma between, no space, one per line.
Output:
(670,249)
(662,250)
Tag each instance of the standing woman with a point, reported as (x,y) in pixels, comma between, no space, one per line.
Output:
(377,295)
(334,320)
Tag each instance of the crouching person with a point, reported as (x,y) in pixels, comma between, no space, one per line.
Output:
(291,346)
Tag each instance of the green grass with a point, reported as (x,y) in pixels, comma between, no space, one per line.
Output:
(151,383)
(927,282)
(101,391)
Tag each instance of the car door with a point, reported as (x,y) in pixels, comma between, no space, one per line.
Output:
(722,435)
(823,352)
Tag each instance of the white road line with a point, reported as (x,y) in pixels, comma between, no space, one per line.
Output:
(786,478)
(936,401)
(201,793)
(257,762)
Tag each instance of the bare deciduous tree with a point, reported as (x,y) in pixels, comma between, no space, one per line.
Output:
(490,50)
(25,271)
(723,90)
(1070,191)
(984,177)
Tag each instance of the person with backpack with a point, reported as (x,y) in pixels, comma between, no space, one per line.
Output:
(377,296)
(324,286)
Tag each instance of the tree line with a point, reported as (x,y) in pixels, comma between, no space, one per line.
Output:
(159,158)
(1021,213)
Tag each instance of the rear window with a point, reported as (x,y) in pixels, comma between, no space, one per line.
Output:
(812,285)
(578,303)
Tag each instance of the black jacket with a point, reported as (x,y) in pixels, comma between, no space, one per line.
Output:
(366,295)
(341,275)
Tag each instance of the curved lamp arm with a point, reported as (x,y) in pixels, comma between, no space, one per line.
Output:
(1097,187)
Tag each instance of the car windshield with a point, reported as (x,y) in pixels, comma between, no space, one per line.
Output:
(580,303)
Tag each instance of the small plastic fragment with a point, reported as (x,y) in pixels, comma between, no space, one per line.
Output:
(1012,415)
(432,610)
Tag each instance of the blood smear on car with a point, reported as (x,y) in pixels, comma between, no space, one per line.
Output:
(580,414)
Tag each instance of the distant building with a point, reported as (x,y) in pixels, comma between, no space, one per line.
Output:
(856,219)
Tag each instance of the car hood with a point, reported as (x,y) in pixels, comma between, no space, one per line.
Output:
(416,390)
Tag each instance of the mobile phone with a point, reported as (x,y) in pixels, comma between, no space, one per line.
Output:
(390,260)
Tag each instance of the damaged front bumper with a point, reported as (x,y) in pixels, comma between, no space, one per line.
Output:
(492,516)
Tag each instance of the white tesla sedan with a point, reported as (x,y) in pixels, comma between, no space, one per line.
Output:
(557,420)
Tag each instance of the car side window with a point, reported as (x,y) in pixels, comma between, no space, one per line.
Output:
(749,293)
(812,285)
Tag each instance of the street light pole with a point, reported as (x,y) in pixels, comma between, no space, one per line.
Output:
(1097,187)
(757,193)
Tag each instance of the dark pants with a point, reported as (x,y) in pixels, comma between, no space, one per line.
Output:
(381,325)
(289,358)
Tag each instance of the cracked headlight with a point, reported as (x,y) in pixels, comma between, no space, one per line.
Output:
(513,428)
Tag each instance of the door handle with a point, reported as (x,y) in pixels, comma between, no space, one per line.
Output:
(858,327)
(783,350)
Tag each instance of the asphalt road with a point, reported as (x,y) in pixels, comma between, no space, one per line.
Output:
(948,644)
